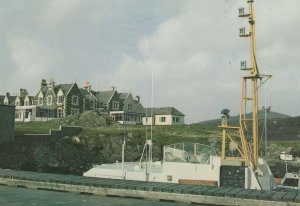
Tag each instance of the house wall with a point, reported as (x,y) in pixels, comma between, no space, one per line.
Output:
(149,122)
(68,100)
(180,118)
(7,123)
(114,98)
(53,97)
(168,120)
(53,134)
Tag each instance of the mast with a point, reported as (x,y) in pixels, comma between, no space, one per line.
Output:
(245,136)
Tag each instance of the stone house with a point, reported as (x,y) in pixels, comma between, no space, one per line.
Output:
(51,101)
(56,101)
(163,116)
(23,103)
(90,101)
(8,99)
(131,110)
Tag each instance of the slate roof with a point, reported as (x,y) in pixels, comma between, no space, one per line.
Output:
(104,96)
(163,111)
(84,92)
(65,87)
(123,95)
(87,94)
(11,100)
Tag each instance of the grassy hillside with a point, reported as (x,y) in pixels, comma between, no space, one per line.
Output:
(235,119)
(280,127)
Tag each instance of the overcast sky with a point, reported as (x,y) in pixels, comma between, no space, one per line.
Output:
(191,47)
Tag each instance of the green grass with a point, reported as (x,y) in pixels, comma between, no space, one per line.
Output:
(284,143)
(161,134)
(34,127)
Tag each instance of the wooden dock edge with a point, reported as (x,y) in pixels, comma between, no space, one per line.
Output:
(148,195)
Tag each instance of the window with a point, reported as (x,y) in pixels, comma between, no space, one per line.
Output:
(175,119)
(26,103)
(74,111)
(49,100)
(117,117)
(129,106)
(92,104)
(75,100)
(115,105)
(290,182)
(17,103)
(40,101)
(162,119)
(60,99)
(59,113)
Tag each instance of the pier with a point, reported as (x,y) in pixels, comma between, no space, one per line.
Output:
(189,194)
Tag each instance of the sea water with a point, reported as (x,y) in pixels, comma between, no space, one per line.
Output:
(15,196)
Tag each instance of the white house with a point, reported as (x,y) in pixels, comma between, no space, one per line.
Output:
(163,116)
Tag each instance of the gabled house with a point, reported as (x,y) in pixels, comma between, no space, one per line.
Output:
(43,108)
(23,103)
(51,101)
(109,99)
(28,100)
(163,116)
(131,111)
(8,99)
(72,99)
(90,101)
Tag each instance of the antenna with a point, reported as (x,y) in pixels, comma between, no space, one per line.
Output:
(152,81)
(246,139)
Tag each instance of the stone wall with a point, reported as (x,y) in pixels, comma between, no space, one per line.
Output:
(7,123)
(53,134)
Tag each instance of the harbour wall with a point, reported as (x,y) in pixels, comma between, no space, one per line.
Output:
(148,190)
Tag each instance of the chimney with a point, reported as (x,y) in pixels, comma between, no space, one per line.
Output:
(43,83)
(51,83)
(23,92)
(7,94)
(87,86)
(137,99)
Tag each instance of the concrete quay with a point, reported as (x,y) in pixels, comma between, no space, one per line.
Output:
(148,190)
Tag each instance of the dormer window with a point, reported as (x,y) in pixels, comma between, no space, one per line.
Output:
(75,100)
(60,99)
(49,100)
(40,101)
(92,103)
(26,103)
(17,103)
(115,105)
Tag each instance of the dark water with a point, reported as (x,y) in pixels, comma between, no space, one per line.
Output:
(14,196)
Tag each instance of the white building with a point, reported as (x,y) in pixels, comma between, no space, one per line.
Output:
(163,116)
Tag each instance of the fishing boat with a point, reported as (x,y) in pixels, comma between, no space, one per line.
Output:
(194,163)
